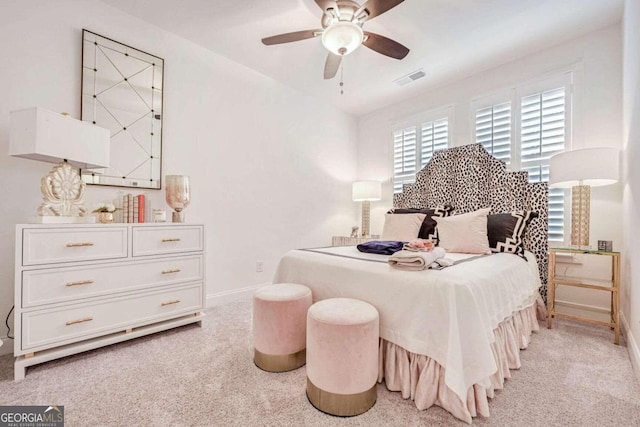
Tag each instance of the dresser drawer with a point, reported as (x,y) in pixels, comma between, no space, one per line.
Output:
(56,245)
(49,328)
(167,240)
(56,285)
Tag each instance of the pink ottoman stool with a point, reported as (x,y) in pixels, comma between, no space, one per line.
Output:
(342,356)
(279,326)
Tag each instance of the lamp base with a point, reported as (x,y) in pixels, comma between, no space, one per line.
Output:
(177,217)
(62,193)
(580,215)
(366,217)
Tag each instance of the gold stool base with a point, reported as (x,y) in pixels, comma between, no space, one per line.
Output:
(343,405)
(279,362)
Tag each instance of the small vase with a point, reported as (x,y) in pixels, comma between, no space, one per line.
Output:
(105,217)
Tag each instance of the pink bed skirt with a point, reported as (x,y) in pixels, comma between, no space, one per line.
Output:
(421,379)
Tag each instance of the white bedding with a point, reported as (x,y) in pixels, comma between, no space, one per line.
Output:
(448,315)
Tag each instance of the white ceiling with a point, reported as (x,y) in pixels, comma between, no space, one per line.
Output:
(449,39)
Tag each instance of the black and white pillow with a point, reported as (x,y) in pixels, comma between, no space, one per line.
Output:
(506,231)
(428,228)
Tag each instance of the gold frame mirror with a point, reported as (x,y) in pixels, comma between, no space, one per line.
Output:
(122,91)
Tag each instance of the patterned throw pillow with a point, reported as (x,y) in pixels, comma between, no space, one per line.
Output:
(428,228)
(506,231)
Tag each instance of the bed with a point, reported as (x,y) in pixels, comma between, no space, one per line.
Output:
(448,337)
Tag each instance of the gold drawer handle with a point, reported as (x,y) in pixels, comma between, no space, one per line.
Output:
(75,245)
(73,322)
(175,301)
(81,282)
(175,270)
(171,239)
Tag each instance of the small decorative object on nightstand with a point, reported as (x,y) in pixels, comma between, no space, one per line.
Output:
(613,287)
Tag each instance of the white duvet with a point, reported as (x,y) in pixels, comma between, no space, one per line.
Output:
(448,315)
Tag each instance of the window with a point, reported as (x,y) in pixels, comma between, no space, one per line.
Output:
(414,143)
(540,113)
(493,130)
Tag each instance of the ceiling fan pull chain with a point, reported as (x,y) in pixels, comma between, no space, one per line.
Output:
(341,80)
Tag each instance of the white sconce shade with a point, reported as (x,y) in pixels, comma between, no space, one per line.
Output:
(343,37)
(591,166)
(366,190)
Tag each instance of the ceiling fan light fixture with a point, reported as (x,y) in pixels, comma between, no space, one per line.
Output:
(343,37)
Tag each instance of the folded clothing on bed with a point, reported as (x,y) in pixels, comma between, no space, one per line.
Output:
(415,261)
(381,247)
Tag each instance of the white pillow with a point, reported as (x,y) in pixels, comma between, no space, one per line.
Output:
(465,233)
(401,227)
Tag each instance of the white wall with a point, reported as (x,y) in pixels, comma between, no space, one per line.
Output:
(288,185)
(597,61)
(631,179)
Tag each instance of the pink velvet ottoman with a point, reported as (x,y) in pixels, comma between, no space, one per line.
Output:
(342,356)
(279,326)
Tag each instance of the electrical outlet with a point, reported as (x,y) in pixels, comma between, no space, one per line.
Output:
(259,266)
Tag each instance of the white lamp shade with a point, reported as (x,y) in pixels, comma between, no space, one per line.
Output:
(366,191)
(590,166)
(343,37)
(43,135)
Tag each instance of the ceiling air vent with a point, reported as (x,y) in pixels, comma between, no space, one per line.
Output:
(411,77)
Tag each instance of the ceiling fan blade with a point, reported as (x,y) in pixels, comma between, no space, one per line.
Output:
(332,65)
(326,4)
(385,46)
(378,7)
(291,37)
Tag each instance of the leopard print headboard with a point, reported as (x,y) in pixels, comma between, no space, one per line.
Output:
(468,178)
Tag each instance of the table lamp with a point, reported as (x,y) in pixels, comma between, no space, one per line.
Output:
(43,135)
(580,170)
(366,192)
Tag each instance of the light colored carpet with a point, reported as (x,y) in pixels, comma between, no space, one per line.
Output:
(572,375)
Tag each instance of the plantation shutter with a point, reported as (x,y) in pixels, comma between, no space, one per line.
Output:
(435,136)
(493,130)
(414,142)
(404,157)
(543,134)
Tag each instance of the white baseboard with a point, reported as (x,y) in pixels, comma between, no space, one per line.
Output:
(632,346)
(232,295)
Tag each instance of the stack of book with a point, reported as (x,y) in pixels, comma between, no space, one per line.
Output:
(133,208)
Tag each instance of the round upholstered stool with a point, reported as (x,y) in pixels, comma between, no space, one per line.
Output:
(279,326)
(342,356)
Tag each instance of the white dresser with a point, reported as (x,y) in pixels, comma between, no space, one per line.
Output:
(80,287)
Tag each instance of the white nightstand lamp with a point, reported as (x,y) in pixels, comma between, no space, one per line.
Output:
(39,134)
(580,170)
(366,192)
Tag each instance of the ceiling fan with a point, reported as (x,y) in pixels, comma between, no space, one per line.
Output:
(342,32)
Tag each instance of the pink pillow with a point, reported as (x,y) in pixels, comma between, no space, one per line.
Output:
(465,233)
